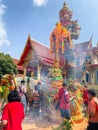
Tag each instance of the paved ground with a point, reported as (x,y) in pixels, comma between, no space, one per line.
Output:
(45,123)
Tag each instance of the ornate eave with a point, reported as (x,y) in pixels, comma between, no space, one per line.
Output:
(35,52)
(94,65)
(27,48)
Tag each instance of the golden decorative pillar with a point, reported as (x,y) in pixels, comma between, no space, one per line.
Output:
(38,71)
(57,58)
(25,69)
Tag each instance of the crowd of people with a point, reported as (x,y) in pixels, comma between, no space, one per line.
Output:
(17,107)
(90,106)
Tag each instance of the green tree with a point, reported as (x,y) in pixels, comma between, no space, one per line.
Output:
(7,66)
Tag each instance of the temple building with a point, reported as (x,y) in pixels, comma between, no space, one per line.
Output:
(87,62)
(36,58)
(19,67)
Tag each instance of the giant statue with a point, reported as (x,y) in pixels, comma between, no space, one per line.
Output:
(65,16)
(61,44)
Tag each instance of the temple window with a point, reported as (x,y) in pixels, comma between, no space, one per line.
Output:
(87,78)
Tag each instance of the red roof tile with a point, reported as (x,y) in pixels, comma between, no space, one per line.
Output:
(82,46)
(16,63)
(42,52)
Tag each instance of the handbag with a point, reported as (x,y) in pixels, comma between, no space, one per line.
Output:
(57,105)
(58,102)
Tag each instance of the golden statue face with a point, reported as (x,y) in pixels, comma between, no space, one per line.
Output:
(66,16)
(32,74)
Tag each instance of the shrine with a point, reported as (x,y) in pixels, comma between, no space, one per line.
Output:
(38,58)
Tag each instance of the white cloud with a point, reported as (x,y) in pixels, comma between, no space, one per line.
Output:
(40,2)
(3,34)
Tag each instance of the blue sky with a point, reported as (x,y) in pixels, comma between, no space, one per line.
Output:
(18,18)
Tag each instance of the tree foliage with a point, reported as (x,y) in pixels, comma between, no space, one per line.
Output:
(7,66)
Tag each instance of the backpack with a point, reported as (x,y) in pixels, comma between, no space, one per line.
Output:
(66,92)
(20,91)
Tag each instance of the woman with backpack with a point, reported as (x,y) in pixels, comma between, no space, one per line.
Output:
(64,105)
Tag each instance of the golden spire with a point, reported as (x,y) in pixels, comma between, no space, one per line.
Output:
(65,4)
(65,7)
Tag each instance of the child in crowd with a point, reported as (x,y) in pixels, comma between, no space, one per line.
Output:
(22,92)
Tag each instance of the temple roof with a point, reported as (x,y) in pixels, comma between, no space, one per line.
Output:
(42,52)
(16,63)
(82,47)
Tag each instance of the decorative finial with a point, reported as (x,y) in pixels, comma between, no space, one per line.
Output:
(91,37)
(65,5)
(66,8)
